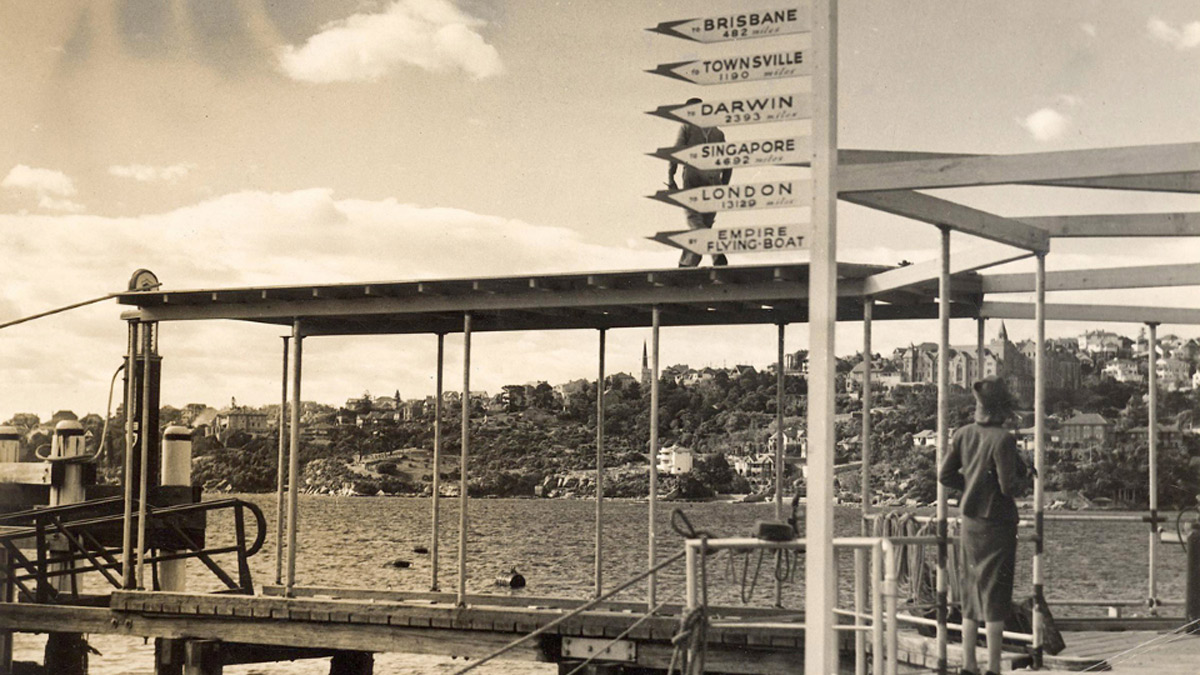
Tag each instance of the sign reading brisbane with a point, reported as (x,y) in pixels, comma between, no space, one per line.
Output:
(746,25)
(753,67)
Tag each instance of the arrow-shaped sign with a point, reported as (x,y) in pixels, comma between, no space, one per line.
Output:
(728,69)
(740,196)
(750,239)
(789,151)
(744,110)
(742,26)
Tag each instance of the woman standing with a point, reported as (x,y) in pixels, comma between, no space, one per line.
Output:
(983,463)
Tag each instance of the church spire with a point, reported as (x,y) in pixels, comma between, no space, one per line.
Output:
(1003,332)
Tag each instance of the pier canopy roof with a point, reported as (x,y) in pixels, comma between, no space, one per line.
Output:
(757,294)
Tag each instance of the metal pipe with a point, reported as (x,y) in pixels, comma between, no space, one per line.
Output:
(860,558)
(943,441)
(144,469)
(780,448)
(600,467)
(1039,452)
(980,348)
(891,592)
(655,323)
(462,462)
(128,580)
(437,462)
(867,395)
(281,465)
(1152,423)
(877,609)
(293,520)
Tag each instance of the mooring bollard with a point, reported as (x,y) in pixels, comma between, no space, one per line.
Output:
(66,653)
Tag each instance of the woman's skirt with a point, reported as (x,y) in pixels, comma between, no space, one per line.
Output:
(989,549)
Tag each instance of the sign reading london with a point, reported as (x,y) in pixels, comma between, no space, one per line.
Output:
(789,151)
(749,239)
(740,196)
(748,68)
(744,110)
(742,26)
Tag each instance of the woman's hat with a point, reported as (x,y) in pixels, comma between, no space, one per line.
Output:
(992,394)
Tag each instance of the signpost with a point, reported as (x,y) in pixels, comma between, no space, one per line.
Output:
(783,151)
(737,111)
(741,26)
(773,65)
(740,197)
(750,239)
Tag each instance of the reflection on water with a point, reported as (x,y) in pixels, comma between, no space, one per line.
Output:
(349,541)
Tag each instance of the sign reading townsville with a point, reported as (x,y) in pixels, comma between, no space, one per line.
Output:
(751,67)
(737,111)
(749,239)
(741,26)
(740,196)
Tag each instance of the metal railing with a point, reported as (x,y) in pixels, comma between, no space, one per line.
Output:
(880,618)
(81,538)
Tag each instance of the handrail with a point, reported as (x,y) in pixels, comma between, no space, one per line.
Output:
(86,548)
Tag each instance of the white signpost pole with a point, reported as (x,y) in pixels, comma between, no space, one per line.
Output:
(820,583)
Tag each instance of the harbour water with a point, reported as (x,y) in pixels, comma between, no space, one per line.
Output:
(349,541)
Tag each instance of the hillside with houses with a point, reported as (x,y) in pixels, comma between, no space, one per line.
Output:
(718,429)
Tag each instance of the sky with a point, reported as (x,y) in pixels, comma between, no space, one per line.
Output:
(239,142)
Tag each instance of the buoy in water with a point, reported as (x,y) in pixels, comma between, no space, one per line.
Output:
(420,549)
(399,563)
(511,579)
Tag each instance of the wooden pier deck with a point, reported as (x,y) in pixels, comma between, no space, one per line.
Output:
(747,641)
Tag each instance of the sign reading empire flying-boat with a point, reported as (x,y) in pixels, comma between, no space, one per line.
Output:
(749,239)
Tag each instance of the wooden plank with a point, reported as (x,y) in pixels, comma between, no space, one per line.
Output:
(969,260)
(26,473)
(1146,276)
(1020,168)
(965,219)
(1182,224)
(1106,313)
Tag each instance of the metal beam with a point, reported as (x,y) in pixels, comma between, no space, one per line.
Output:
(1020,168)
(965,219)
(1104,313)
(1182,224)
(1145,276)
(969,260)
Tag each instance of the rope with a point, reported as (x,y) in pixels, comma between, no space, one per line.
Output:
(1136,650)
(578,610)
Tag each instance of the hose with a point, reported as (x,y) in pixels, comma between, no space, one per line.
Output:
(107,415)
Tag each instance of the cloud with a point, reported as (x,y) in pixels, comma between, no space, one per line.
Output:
(144,173)
(248,238)
(41,181)
(1185,37)
(1088,28)
(1045,124)
(430,34)
(51,187)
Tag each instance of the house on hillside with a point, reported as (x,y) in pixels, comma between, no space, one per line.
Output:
(1085,430)
(675,460)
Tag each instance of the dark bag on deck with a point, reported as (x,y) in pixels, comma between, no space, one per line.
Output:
(1021,621)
